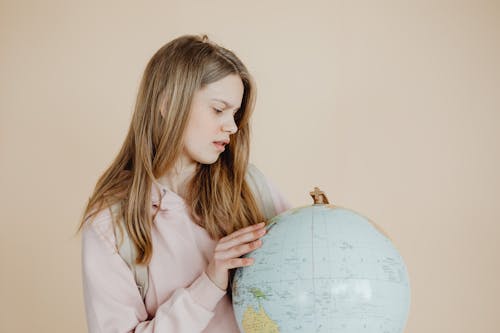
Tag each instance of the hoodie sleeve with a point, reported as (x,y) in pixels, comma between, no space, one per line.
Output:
(113,303)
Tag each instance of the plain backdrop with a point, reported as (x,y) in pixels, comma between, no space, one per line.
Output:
(391,107)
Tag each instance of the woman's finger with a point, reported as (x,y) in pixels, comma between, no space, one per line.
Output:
(241,239)
(242,231)
(238,262)
(238,251)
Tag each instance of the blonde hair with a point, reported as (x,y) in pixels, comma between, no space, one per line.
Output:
(220,199)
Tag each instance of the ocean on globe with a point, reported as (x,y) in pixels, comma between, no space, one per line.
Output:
(322,268)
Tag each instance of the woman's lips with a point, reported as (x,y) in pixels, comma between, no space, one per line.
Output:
(219,146)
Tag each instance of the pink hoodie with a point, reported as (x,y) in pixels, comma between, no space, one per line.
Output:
(181,298)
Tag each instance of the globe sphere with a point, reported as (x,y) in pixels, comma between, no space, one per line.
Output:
(322,268)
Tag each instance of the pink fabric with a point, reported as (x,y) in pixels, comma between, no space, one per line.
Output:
(181,298)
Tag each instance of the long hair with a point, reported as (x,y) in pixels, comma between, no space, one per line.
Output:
(218,196)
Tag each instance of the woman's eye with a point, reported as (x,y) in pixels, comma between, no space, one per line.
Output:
(217,110)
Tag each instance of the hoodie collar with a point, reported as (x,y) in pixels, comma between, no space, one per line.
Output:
(166,199)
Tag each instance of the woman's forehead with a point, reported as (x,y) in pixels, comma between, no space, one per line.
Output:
(228,90)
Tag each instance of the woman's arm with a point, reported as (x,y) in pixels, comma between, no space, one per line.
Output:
(112,300)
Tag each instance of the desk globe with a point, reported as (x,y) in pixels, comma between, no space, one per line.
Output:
(322,268)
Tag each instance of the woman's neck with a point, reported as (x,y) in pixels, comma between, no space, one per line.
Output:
(177,178)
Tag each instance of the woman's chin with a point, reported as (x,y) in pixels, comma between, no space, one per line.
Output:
(211,160)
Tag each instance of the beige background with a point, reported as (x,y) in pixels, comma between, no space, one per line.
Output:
(391,107)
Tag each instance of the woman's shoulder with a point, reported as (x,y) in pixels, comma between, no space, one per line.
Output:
(259,177)
(254,172)
(101,224)
(259,182)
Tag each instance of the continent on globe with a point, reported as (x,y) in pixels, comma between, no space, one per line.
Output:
(258,322)
(257,293)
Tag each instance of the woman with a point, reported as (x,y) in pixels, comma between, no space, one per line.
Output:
(179,183)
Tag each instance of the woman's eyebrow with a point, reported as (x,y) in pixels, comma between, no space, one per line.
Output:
(223,102)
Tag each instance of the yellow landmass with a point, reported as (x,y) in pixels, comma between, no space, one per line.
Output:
(258,322)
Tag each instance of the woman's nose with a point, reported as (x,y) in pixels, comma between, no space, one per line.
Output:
(230,126)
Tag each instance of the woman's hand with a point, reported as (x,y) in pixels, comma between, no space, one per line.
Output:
(228,251)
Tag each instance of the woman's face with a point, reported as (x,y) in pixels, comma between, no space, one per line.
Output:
(212,119)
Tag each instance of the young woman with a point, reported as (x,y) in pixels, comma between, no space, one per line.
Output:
(179,183)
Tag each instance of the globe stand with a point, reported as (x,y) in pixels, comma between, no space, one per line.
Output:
(319,197)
